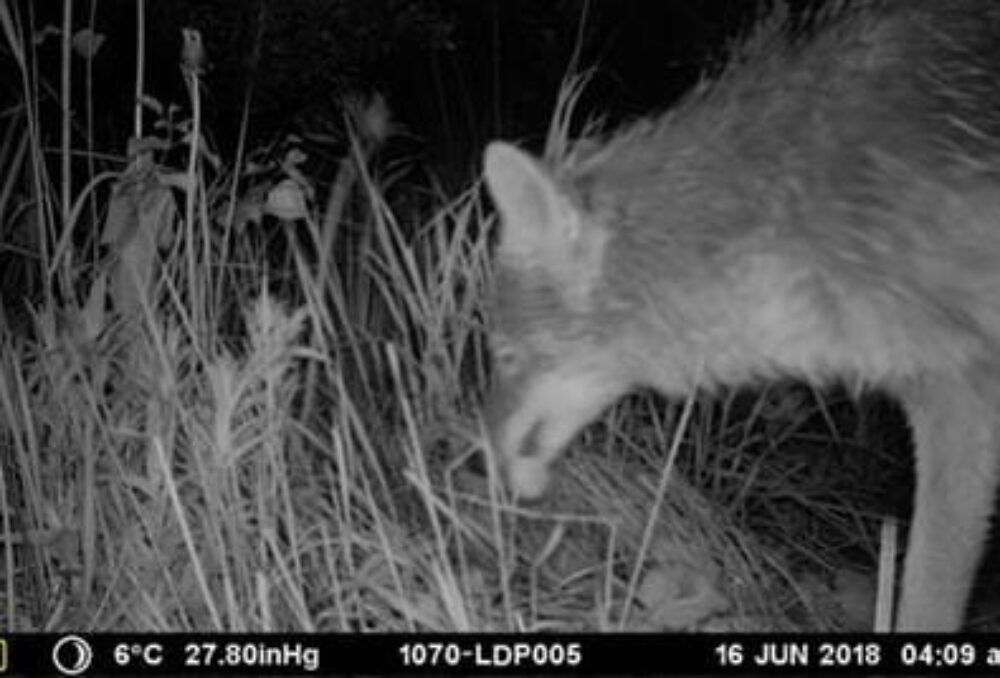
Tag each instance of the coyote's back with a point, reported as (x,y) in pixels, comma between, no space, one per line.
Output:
(827,208)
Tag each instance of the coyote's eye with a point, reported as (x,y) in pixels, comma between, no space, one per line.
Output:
(505,357)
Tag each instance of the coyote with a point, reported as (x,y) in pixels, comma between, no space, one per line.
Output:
(827,208)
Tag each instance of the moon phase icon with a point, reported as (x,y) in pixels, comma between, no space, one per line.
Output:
(72,655)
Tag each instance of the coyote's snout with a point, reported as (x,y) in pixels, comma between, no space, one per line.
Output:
(828,208)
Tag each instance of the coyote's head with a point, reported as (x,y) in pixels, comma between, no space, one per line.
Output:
(557,351)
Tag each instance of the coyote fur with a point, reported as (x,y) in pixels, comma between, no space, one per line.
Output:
(827,208)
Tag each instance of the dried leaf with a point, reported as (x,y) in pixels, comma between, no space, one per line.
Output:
(287,202)
(86,43)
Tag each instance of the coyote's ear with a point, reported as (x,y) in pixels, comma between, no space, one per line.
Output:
(537,217)
(542,227)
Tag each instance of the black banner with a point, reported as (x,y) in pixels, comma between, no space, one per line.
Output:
(83,654)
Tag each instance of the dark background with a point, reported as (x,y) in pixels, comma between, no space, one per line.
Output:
(455,73)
